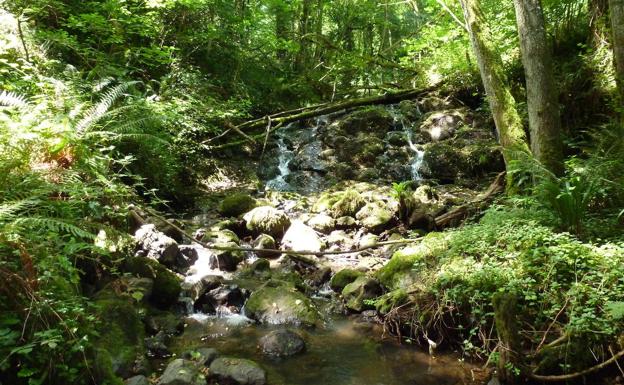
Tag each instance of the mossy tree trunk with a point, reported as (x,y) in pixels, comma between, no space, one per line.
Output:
(505,310)
(508,123)
(616,8)
(542,94)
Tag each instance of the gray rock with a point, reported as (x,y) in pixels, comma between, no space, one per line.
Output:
(182,372)
(375,216)
(281,305)
(265,241)
(156,245)
(357,292)
(237,370)
(301,237)
(322,223)
(442,125)
(225,260)
(346,223)
(282,343)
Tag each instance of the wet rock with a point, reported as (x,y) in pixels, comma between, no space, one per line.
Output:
(231,297)
(281,305)
(203,356)
(186,257)
(302,238)
(226,260)
(343,278)
(442,125)
(357,292)
(346,223)
(322,223)
(368,240)
(195,289)
(157,345)
(348,205)
(156,244)
(260,266)
(265,241)
(339,239)
(376,216)
(421,219)
(182,372)
(268,220)
(238,371)
(236,204)
(166,284)
(137,380)
(396,138)
(282,343)
(166,322)
(319,277)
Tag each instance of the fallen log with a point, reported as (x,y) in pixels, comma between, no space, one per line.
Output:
(285,117)
(462,212)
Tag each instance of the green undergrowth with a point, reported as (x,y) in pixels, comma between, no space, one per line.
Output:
(568,290)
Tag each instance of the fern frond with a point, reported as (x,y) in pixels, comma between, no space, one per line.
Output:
(8,210)
(99,86)
(54,225)
(12,99)
(99,110)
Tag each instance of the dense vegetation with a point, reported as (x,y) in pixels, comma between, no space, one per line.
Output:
(109,105)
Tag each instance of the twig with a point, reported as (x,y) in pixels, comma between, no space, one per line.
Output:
(572,376)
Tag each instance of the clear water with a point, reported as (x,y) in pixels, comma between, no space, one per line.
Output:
(345,352)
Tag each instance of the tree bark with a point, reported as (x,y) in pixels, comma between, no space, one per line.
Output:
(508,123)
(542,94)
(616,8)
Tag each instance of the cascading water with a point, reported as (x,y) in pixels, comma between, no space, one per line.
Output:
(417,160)
(285,156)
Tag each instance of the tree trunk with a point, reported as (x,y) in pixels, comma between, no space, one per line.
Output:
(282,22)
(508,123)
(304,28)
(616,8)
(542,95)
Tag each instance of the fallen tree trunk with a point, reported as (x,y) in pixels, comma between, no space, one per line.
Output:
(460,213)
(281,118)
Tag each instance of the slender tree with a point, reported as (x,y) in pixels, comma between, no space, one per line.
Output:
(616,8)
(508,123)
(542,95)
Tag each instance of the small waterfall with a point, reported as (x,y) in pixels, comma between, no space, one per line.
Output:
(416,160)
(285,156)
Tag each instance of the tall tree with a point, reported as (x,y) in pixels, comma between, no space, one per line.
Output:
(616,8)
(503,105)
(542,95)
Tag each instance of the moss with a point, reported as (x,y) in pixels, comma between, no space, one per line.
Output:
(343,278)
(391,300)
(348,205)
(400,270)
(281,305)
(120,343)
(236,204)
(166,284)
(358,293)
(375,216)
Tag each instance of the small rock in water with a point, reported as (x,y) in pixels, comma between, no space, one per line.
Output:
(182,372)
(204,356)
(282,343)
(237,370)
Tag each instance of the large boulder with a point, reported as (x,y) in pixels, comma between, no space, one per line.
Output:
(281,305)
(156,245)
(359,291)
(236,204)
(166,289)
(282,343)
(182,372)
(268,220)
(302,238)
(376,216)
(237,371)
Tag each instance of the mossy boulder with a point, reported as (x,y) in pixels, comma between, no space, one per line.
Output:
(348,205)
(391,300)
(182,372)
(372,120)
(119,346)
(166,289)
(226,260)
(400,272)
(343,278)
(359,291)
(376,216)
(230,370)
(281,305)
(265,241)
(322,223)
(267,220)
(236,204)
